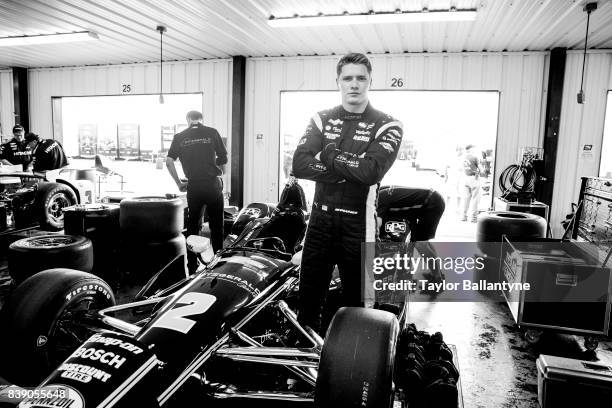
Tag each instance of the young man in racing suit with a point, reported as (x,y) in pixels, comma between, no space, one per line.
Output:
(347,150)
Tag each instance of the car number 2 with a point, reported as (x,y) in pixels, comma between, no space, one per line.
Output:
(194,303)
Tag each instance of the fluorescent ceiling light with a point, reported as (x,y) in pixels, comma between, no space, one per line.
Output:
(47,38)
(374,18)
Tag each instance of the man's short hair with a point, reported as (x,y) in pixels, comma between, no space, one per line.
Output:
(194,115)
(353,58)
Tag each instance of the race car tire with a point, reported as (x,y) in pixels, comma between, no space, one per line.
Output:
(357,360)
(51,199)
(37,319)
(103,219)
(153,219)
(28,256)
(139,261)
(491,226)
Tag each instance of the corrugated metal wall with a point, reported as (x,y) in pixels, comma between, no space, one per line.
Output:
(7,110)
(213,78)
(520,78)
(580,125)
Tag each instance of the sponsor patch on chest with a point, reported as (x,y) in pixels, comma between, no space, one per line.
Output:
(361,138)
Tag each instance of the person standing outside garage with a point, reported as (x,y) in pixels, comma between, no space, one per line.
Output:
(347,150)
(202,153)
(16,150)
(470,185)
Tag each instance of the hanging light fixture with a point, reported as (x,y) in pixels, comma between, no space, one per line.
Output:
(589,7)
(162,29)
(397,16)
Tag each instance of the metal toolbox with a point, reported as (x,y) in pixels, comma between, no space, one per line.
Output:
(569,288)
(565,382)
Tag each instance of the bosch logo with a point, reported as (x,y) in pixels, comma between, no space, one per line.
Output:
(395,226)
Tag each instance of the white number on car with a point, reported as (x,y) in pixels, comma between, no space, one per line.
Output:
(195,303)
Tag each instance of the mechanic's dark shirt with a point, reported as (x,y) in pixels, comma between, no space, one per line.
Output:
(48,155)
(365,146)
(16,152)
(201,152)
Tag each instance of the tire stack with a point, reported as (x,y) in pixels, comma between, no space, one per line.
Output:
(151,236)
(494,225)
(99,223)
(29,256)
(424,370)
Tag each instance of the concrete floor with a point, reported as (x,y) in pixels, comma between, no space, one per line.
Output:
(497,365)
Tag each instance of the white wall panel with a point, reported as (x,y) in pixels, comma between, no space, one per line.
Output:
(212,77)
(580,125)
(518,77)
(7,115)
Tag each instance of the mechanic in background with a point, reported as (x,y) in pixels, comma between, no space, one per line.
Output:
(47,154)
(16,150)
(347,150)
(202,153)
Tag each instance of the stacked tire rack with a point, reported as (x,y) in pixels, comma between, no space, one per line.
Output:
(151,236)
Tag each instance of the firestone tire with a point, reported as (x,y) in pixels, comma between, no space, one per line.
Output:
(152,219)
(31,255)
(37,316)
(51,199)
(357,360)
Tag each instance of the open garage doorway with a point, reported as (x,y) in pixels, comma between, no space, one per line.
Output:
(438,125)
(130,133)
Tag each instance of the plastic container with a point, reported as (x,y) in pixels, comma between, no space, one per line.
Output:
(565,382)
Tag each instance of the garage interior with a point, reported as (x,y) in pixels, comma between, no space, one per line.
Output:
(514,78)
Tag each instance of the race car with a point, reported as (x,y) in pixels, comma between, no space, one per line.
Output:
(30,199)
(226,332)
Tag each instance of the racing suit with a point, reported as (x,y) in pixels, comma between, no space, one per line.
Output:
(356,150)
(16,152)
(48,154)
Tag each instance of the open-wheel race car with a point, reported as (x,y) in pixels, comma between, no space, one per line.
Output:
(34,199)
(226,332)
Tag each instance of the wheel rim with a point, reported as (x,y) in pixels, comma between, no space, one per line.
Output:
(49,242)
(55,208)
(65,336)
